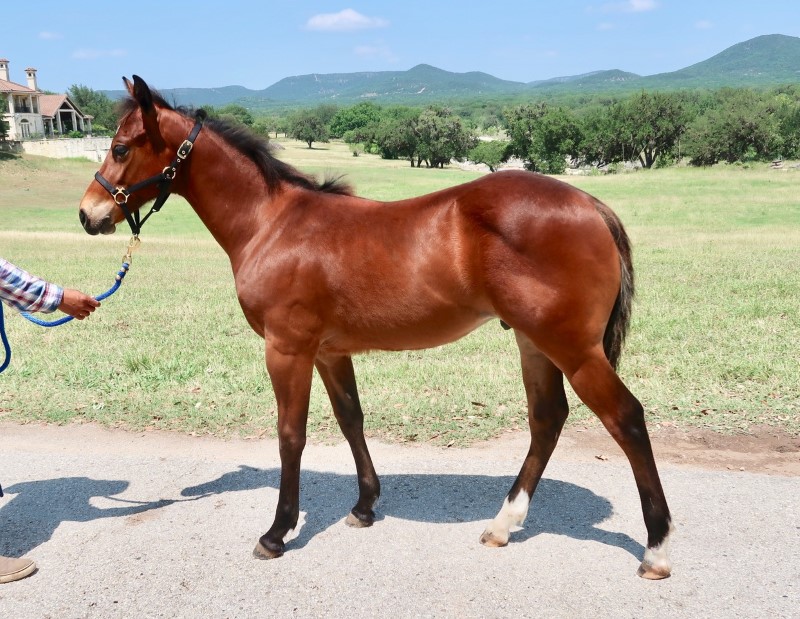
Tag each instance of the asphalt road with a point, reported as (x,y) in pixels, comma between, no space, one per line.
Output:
(158,525)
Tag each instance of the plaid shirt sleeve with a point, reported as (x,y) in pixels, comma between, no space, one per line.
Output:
(27,293)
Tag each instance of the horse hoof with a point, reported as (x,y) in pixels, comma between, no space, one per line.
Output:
(653,572)
(357,523)
(262,552)
(493,541)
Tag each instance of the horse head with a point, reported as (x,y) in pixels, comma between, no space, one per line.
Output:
(135,165)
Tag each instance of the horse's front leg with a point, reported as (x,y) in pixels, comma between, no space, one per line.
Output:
(290,373)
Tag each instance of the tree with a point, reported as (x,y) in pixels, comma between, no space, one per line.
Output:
(326,112)
(281,125)
(262,126)
(3,124)
(651,125)
(743,126)
(520,123)
(270,124)
(543,136)
(442,137)
(601,142)
(787,103)
(557,140)
(307,126)
(236,114)
(95,104)
(358,116)
(644,127)
(492,153)
(364,136)
(396,135)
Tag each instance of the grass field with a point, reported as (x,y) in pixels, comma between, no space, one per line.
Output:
(713,342)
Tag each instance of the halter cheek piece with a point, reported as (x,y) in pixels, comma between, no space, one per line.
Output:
(164,180)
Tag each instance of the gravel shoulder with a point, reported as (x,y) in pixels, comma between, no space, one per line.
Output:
(156,524)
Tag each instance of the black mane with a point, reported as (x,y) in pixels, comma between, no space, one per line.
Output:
(254,147)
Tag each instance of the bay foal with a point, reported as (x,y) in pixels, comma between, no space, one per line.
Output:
(321,275)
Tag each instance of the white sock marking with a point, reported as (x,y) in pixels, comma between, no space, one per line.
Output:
(511,515)
(293,533)
(658,556)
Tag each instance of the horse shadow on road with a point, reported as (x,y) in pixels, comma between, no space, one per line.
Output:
(557,507)
(30,518)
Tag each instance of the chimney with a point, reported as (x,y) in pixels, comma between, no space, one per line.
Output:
(4,69)
(31,75)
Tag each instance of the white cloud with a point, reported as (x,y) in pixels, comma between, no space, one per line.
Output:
(703,24)
(344,21)
(94,54)
(50,36)
(605,26)
(630,6)
(638,6)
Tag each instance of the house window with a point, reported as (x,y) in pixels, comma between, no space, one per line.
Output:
(24,128)
(21,105)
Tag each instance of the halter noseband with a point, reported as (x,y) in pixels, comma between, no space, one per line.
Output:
(164,180)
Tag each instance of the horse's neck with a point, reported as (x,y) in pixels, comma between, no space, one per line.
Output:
(226,190)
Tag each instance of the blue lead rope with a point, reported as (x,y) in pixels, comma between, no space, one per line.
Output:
(7,349)
(54,323)
(65,319)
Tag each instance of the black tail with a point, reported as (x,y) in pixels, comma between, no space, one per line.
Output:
(619,321)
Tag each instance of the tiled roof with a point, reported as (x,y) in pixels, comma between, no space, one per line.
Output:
(49,104)
(6,86)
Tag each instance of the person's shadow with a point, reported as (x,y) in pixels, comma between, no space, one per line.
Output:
(557,507)
(30,518)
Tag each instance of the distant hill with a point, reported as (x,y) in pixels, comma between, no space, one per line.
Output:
(205,96)
(596,81)
(420,82)
(763,61)
(586,78)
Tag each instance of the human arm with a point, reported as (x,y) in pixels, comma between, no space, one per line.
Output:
(28,293)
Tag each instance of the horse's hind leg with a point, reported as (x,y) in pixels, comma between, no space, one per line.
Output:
(598,385)
(339,378)
(547,411)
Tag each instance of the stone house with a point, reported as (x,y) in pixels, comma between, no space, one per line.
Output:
(29,113)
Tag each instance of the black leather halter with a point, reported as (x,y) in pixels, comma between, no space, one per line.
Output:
(164,181)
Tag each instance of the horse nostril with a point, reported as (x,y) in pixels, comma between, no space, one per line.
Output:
(82,217)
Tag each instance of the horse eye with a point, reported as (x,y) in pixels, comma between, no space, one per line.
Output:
(120,150)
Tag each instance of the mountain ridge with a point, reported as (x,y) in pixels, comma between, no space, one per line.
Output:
(764,60)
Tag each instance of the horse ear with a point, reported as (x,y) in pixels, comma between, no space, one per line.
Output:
(128,85)
(141,92)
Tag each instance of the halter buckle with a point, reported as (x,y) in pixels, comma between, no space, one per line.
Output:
(185,149)
(169,172)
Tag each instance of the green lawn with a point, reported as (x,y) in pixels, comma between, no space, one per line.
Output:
(713,342)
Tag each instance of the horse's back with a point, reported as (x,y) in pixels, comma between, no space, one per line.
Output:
(511,201)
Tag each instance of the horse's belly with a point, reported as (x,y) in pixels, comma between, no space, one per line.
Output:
(426,331)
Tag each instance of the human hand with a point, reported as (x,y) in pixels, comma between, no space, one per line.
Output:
(77,304)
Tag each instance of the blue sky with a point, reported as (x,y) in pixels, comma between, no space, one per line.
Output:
(202,44)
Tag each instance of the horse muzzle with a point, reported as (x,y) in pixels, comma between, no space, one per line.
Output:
(94,226)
